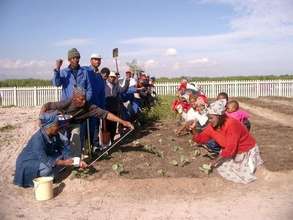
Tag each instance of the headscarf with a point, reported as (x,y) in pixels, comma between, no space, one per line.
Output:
(217,108)
(48,119)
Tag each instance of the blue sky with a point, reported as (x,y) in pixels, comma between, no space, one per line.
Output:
(168,38)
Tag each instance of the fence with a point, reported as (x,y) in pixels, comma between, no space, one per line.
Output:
(35,96)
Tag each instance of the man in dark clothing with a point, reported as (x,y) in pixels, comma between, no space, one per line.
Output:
(78,110)
(113,91)
(98,99)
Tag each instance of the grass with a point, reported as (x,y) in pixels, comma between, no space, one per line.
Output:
(7,128)
(161,111)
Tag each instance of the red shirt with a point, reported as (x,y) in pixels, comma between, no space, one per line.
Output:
(233,137)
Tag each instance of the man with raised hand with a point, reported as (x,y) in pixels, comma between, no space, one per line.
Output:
(72,76)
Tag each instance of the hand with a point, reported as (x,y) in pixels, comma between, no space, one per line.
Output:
(59,64)
(83,164)
(128,125)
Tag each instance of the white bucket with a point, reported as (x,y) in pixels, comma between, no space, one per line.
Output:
(43,187)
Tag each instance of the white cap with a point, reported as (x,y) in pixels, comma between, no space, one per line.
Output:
(112,74)
(96,56)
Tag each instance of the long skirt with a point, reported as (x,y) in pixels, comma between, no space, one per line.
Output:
(241,168)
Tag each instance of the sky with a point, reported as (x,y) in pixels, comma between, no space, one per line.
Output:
(168,38)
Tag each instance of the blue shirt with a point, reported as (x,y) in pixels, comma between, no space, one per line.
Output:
(98,87)
(68,79)
(39,149)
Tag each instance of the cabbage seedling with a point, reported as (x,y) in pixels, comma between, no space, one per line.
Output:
(118,168)
(174,162)
(206,168)
(161,172)
(184,160)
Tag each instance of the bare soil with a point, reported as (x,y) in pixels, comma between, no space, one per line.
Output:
(141,192)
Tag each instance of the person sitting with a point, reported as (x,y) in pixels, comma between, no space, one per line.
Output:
(43,154)
(239,156)
(234,112)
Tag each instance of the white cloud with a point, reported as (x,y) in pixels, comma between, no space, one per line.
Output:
(260,41)
(19,68)
(199,61)
(171,52)
(74,42)
(20,64)
(149,63)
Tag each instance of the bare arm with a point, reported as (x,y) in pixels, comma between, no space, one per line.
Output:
(112,117)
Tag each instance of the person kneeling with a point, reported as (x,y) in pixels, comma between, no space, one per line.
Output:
(43,153)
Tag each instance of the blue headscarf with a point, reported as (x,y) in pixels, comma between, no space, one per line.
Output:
(48,119)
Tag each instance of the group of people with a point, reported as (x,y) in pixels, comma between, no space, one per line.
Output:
(96,104)
(93,103)
(222,128)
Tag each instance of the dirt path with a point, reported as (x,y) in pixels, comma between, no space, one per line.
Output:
(281,118)
(280,100)
(270,197)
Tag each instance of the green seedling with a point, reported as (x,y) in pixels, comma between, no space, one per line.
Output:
(118,168)
(154,150)
(184,160)
(147,164)
(83,173)
(174,162)
(136,143)
(206,168)
(161,172)
(160,141)
(196,152)
(176,148)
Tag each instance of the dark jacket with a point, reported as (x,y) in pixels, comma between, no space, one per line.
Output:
(79,114)
(98,87)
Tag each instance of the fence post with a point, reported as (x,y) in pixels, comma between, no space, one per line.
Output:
(56,94)
(280,88)
(35,96)
(14,96)
(213,90)
(236,89)
(257,89)
(168,89)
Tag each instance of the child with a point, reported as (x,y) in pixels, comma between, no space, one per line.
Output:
(196,114)
(223,95)
(234,112)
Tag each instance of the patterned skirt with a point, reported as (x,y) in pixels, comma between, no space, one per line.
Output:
(241,168)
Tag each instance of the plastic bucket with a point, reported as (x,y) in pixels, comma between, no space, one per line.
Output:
(43,187)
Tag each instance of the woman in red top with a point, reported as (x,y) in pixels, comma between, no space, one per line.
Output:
(239,154)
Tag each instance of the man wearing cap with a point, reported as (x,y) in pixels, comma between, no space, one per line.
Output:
(113,90)
(43,154)
(72,76)
(98,98)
